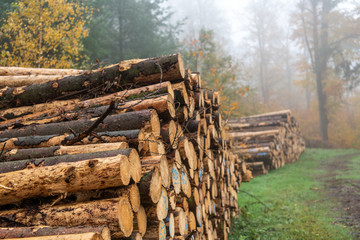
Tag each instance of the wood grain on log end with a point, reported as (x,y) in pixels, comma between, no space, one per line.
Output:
(162,206)
(135,165)
(141,221)
(125,215)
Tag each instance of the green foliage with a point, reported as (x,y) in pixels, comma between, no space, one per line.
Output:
(129,29)
(298,208)
(44,33)
(218,70)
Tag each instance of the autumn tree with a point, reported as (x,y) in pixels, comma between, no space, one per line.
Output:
(125,29)
(330,36)
(219,70)
(44,33)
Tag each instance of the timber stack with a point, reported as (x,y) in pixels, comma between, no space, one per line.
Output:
(136,150)
(267,141)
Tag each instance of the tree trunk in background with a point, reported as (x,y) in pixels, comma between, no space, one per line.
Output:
(320,63)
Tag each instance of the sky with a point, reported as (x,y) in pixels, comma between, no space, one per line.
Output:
(229,18)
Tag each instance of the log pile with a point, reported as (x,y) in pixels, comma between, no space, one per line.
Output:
(267,141)
(136,150)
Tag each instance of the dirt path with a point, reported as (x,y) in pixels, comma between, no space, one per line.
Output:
(343,191)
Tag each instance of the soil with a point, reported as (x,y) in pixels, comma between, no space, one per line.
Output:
(346,193)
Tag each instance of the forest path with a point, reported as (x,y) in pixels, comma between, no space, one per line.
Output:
(341,178)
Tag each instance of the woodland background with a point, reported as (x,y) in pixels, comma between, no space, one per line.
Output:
(271,55)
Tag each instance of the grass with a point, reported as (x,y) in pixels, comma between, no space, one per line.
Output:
(298,208)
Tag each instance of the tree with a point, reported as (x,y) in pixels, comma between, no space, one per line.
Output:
(328,34)
(125,29)
(218,70)
(265,41)
(44,33)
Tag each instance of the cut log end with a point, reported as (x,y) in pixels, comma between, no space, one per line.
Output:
(141,221)
(134,197)
(135,165)
(125,216)
(155,123)
(163,205)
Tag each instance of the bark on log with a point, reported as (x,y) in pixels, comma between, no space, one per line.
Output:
(150,187)
(150,71)
(131,192)
(163,104)
(39,231)
(51,108)
(20,71)
(140,222)
(79,236)
(160,161)
(135,138)
(20,81)
(118,122)
(21,154)
(156,231)
(130,154)
(181,95)
(64,177)
(114,213)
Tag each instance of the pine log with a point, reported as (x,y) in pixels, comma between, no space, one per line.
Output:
(39,231)
(150,187)
(181,95)
(160,161)
(163,104)
(118,122)
(21,154)
(162,207)
(52,108)
(131,192)
(185,183)
(134,236)
(257,168)
(170,134)
(114,213)
(182,114)
(175,178)
(167,68)
(280,115)
(130,154)
(20,71)
(156,231)
(140,222)
(63,178)
(135,138)
(19,81)
(79,236)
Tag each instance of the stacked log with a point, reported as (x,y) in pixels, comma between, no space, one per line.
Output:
(267,141)
(134,150)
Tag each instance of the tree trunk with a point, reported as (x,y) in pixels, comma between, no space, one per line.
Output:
(69,105)
(124,121)
(78,236)
(114,213)
(150,71)
(64,177)
(26,232)
(135,138)
(20,71)
(131,155)
(22,154)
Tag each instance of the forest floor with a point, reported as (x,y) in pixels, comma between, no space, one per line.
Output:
(318,197)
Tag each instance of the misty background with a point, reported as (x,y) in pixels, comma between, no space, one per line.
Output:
(263,55)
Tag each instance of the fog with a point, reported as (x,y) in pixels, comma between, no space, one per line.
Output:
(274,43)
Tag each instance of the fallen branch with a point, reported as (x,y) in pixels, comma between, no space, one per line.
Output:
(92,127)
(255,198)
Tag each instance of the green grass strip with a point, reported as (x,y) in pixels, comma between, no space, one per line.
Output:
(299,208)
